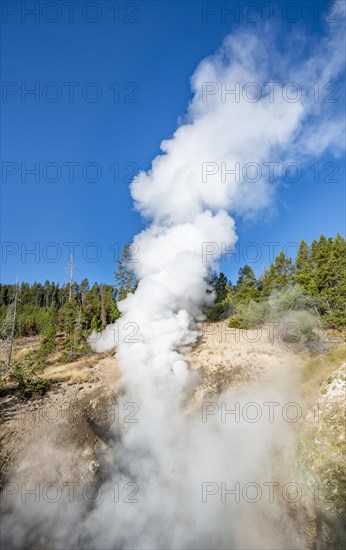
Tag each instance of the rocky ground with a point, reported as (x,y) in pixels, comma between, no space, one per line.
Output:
(228,357)
(65,435)
(58,436)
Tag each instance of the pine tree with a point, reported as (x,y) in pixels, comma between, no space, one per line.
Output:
(246,287)
(335,291)
(84,289)
(278,275)
(304,270)
(221,286)
(125,279)
(321,255)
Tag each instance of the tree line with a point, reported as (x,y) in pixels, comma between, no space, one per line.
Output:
(301,290)
(317,276)
(74,310)
(63,315)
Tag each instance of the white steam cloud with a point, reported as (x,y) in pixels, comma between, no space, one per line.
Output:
(169,453)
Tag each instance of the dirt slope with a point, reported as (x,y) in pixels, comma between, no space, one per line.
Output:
(66,435)
(71,419)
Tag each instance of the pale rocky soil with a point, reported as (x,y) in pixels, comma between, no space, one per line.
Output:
(66,435)
(64,432)
(324,432)
(231,357)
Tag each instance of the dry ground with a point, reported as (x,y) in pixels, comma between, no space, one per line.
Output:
(70,421)
(66,434)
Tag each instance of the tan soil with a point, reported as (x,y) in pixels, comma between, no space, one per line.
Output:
(62,435)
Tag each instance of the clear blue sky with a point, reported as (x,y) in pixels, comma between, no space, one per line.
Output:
(141,59)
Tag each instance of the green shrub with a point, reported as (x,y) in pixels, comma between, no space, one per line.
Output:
(292,298)
(299,326)
(249,315)
(26,375)
(216,312)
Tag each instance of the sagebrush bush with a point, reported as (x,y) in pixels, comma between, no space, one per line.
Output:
(249,315)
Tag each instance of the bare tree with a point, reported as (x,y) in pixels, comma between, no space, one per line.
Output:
(9,325)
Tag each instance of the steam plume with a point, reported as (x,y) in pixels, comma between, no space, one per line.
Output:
(170,454)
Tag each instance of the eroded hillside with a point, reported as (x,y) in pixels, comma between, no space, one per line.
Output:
(67,436)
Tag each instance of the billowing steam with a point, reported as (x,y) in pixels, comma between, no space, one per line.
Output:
(169,455)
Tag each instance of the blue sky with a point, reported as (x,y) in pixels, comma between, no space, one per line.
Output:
(139,66)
